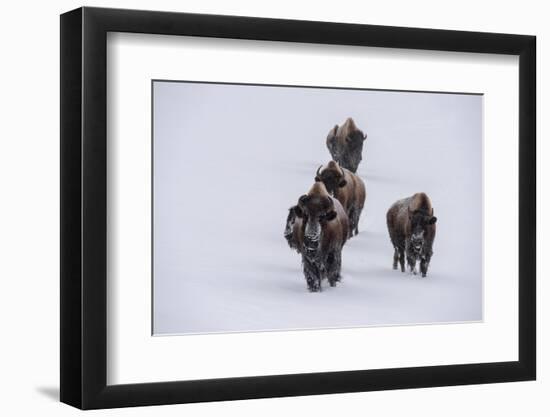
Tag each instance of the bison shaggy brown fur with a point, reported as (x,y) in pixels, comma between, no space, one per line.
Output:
(348,188)
(293,229)
(345,144)
(318,233)
(411,225)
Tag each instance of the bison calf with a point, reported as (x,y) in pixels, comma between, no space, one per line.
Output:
(319,231)
(345,144)
(348,188)
(411,225)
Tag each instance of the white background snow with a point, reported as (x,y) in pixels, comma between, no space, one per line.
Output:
(229,161)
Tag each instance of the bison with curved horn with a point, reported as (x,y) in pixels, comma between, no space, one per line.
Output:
(319,231)
(345,144)
(348,188)
(411,225)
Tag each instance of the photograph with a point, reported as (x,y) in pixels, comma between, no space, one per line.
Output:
(280,208)
(275,204)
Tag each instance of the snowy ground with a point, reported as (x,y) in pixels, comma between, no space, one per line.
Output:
(230,160)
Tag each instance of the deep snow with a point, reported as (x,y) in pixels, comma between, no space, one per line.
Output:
(228,162)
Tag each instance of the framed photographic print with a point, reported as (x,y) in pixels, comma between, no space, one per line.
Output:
(257,208)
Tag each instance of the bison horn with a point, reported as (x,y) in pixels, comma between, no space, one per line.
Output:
(319,170)
(343,173)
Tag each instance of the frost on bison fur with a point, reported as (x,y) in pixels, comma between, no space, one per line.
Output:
(348,188)
(411,225)
(293,227)
(320,237)
(345,144)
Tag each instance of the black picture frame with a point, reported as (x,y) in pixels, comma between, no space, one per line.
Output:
(84,207)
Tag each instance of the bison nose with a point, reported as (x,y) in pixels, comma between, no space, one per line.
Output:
(311,243)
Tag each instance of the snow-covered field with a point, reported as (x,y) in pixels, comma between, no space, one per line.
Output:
(228,162)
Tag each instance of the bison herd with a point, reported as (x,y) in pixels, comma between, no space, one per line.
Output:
(327,216)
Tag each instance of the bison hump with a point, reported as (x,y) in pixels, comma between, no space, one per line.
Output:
(420,201)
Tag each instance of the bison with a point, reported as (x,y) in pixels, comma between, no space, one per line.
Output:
(348,188)
(345,144)
(411,225)
(319,231)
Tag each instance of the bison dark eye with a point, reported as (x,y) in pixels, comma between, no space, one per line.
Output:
(331,215)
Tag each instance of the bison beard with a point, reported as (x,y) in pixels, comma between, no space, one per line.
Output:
(411,226)
(323,232)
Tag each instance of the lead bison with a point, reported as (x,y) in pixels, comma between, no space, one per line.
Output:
(348,188)
(411,225)
(345,144)
(318,229)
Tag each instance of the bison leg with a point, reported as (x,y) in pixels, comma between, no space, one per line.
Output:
(402,259)
(395,257)
(357,217)
(351,217)
(334,264)
(312,275)
(411,260)
(423,267)
(424,264)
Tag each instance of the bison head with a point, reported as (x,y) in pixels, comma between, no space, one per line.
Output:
(419,221)
(353,152)
(315,211)
(332,176)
